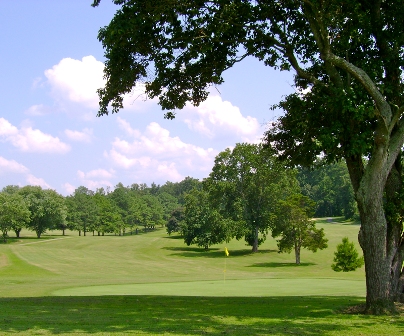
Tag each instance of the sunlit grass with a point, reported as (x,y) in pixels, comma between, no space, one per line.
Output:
(153,284)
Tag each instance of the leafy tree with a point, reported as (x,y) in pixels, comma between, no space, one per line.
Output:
(17,226)
(348,58)
(245,183)
(203,225)
(293,223)
(109,219)
(169,204)
(330,187)
(122,198)
(82,210)
(174,223)
(14,213)
(46,206)
(346,257)
(153,212)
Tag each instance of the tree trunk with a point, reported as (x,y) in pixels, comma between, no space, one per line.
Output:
(255,244)
(17,232)
(380,239)
(297,253)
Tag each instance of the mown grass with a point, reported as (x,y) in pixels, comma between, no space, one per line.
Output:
(153,284)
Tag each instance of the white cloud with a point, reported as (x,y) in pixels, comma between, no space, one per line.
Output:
(97,178)
(77,81)
(12,166)
(32,180)
(38,110)
(155,153)
(123,124)
(83,136)
(68,188)
(216,118)
(28,139)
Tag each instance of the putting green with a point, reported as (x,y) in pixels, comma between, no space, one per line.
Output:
(254,287)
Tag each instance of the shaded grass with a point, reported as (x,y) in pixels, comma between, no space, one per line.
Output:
(167,315)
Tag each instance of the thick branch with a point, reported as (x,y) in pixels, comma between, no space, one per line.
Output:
(383,108)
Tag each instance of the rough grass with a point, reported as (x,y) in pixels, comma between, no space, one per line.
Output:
(153,284)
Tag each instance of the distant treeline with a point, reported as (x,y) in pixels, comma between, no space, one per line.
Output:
(142,207)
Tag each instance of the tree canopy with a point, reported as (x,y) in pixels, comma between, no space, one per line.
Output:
(348,58)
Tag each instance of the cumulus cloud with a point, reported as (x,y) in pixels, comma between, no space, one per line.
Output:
(28,139)
(36,181)
(68,188)
(155,153)
(97,178)
(216,118)
(12,166)
(77,81)
(84,136)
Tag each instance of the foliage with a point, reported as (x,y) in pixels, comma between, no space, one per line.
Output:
(245,184)
(294,224)
(203,225)
(174,223)
(330,187)
(346,257)
(82,212)
(109,218)
(14,213)
(46,206)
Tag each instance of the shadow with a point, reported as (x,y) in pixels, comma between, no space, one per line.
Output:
(280,264)
(155,315)
(213,252)
(173,237)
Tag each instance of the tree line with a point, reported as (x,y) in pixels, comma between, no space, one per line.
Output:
(224,202)
(99,212)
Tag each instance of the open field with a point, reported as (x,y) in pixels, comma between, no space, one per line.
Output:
(153,284)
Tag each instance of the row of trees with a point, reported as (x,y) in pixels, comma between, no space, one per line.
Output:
(247,194)
(85,210)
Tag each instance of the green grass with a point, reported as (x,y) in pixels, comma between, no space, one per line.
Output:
(153,284)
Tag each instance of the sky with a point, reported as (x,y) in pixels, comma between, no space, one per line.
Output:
(51,65)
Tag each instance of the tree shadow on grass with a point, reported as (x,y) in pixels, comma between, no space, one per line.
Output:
(154,315)
(173,237)
(194,252)
(281,264)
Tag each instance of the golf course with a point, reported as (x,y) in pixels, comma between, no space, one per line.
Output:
(153,284)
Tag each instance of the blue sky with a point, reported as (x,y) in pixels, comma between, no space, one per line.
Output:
(51,65)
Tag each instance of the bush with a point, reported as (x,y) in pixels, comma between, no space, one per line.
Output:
(346,257)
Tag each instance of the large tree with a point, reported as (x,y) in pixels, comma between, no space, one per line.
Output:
(14,213)
(348,60)
(246,183)
(82,210)
(46,206)
(203,224)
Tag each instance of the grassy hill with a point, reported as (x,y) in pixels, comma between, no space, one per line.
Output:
(153,284)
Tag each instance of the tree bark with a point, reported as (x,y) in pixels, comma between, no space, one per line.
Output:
(17,232)
(297,253)
(380,238)
(255,244)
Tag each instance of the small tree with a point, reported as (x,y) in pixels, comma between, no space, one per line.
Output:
(294,226)
(346,257)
